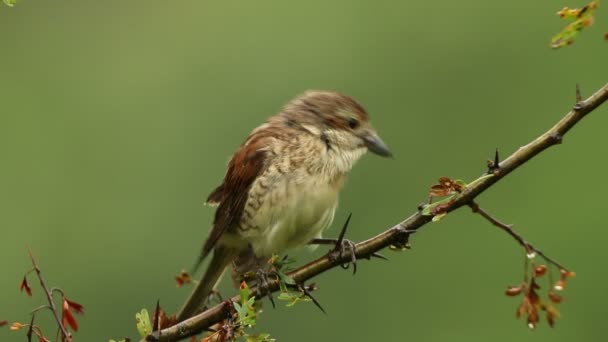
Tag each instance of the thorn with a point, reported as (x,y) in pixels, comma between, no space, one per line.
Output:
(343,231)
(309,295)
(379,256)
(579,98)
(339,247)
(494,165)
(156,324)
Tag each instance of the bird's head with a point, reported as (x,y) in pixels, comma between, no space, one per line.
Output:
(337,119)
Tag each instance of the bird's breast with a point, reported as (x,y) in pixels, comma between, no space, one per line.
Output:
(288,209)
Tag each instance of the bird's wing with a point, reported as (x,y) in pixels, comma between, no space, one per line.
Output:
(244,167)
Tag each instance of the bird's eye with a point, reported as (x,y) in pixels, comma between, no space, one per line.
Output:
(353,123)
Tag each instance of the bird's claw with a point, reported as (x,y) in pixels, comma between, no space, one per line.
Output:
(262,283)
(344,247)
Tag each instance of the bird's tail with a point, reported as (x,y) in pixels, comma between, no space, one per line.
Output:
(198,298)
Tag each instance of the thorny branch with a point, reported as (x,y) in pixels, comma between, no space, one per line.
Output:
(398,235)
(65,334)
(530,249)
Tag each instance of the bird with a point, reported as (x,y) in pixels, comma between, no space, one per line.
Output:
(281,188)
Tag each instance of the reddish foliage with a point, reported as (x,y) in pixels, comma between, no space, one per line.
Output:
(445,187)
(66,313)
(164,321)
(76,307)
(540,270)
(67,317)
(514,290)
(25,286)
(183,278)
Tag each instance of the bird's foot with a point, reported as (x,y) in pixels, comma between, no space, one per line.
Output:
(344,246)
(262,277)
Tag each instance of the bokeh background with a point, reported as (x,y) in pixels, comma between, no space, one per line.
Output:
(118,118)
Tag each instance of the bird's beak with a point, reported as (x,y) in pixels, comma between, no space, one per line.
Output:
(376,145)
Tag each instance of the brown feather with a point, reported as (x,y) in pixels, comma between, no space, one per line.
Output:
(244,167)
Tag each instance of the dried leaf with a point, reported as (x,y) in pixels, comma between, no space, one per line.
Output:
(183,278)
(164,320)
(540,270)
(16,326)
(445,187)
(25,286)
(513,291)
(552,314)
(559,285)
(76,307)
(66,316)
(555,298)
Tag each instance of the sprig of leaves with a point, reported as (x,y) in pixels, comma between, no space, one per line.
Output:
(246,310)
(448,189)
(579,18)
(144,326)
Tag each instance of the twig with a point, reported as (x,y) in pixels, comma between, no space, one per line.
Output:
(398,234)
(66,336)
(509,229)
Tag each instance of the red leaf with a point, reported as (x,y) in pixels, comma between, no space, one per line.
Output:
(552,314)
(183,279)
(554,297)
(445,187)
(25,286)
(540,270)
(67,317)
(513,291)
(566,274)
(76,307)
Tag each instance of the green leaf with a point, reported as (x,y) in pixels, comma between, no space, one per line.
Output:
(461,183)
(144,327)
(480,179)
(10,3)
(427,211)
(244,292)
(286,279)
(438,217)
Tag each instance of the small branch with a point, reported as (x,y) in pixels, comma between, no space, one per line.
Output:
(66,336)
(398,235)
(509,229)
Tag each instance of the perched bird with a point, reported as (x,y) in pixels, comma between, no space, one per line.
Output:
(282,185)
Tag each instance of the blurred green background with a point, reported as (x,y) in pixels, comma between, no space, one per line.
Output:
(118,118)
